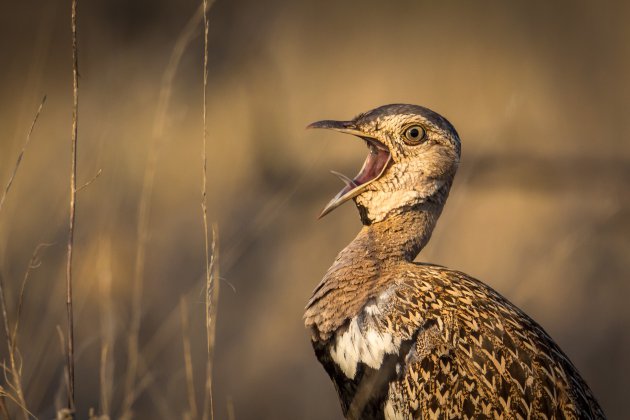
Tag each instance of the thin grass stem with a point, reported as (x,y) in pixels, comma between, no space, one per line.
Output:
(211,265)
(21,155)
(72,213)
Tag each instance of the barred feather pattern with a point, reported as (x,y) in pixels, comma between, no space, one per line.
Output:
(463,351)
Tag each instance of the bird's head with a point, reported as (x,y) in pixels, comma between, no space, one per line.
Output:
(414,153)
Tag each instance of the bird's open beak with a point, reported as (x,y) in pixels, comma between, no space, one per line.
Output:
(374,166)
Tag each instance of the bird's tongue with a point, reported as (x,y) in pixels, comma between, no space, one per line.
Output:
(373,165)
(372,168)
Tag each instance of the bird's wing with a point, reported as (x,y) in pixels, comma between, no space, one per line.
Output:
(456,347)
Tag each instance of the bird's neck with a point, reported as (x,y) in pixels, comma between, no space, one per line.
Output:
(404,231)
(361,270)
(401,236)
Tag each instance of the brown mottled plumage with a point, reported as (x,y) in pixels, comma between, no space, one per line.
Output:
(404,340)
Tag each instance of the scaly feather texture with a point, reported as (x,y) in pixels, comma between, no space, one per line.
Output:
(404,340)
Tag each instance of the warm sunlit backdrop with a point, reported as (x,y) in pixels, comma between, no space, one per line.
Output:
(539,92)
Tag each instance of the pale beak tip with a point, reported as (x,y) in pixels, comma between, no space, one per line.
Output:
(325,211)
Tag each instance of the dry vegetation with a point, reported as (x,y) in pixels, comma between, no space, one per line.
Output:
(540,210)
(13,392)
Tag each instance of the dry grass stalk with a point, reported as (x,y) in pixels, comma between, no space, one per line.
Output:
(32,264)
(204,156)
(21,155)
(94,178)
(144,209)
(212,283)
(3,408)
(3,405)
(190,383)
(212,299)
(15,371)
(73,192)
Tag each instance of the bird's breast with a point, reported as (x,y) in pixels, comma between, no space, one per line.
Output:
(358,343)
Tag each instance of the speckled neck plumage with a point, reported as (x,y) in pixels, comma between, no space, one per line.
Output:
(360,271)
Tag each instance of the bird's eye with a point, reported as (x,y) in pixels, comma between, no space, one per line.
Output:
(414,135)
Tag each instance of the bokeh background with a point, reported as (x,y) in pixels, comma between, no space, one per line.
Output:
(539,92)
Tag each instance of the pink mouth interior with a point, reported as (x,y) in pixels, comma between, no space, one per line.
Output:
(372,168)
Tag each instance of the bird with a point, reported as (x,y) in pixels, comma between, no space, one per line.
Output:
(411,340)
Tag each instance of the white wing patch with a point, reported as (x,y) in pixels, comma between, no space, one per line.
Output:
(363,343)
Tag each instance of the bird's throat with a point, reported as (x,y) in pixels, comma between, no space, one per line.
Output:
(399,237)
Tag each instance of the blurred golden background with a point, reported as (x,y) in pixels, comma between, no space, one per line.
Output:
(539,92)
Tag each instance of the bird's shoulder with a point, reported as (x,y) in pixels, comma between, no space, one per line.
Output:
(411,294)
